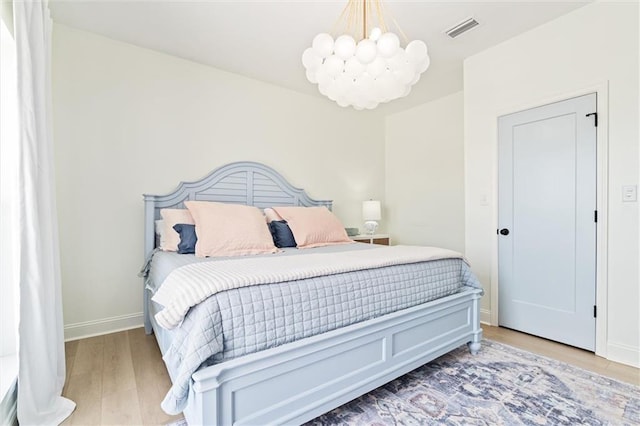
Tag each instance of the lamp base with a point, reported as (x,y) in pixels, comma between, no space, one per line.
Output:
(370,227)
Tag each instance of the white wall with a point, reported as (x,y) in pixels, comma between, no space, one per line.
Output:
(129,121)
(425,174)
(594,46)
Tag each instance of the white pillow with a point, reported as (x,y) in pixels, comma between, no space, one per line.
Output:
(271,215)
(160,238)
(172,217)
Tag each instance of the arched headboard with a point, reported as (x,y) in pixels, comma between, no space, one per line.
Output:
(244,182)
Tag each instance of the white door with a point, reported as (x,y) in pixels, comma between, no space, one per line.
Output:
(547,215)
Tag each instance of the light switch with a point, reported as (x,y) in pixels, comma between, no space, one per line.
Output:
(629,193)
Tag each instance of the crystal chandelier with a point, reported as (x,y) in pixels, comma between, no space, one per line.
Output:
(362,72)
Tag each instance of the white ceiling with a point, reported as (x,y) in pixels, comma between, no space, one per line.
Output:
(265,39)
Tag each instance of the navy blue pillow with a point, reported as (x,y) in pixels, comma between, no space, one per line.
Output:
(188,238)
(281,233)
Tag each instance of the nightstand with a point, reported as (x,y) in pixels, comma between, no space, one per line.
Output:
(381,239)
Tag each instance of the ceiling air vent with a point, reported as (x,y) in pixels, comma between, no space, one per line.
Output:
(462,27)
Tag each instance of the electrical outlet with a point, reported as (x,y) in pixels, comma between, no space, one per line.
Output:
(629,193)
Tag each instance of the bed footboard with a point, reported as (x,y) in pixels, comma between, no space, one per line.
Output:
(298,381)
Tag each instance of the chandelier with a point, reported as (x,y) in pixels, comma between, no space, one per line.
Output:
(360,71)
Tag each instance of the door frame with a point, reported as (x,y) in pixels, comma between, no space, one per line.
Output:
(602,132)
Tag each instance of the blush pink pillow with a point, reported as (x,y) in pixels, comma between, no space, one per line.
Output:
(314,226)
(229,229)
(172,217)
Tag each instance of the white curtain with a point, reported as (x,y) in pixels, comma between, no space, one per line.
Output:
(41,361)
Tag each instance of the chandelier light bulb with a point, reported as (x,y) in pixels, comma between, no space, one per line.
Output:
(311,60)
(375,33)
(345,47)
(388,45)
(364,73)
(417,50)
(366,51)
(323,45)
(353,67)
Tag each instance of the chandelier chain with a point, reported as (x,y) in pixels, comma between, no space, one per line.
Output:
(362,14)
(364,19)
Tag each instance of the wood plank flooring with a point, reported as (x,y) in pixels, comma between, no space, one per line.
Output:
(120,378)
(574,356)
(116,379)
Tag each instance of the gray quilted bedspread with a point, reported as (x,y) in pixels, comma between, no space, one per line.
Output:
(250,319)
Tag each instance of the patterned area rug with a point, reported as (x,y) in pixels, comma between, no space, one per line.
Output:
(501,385)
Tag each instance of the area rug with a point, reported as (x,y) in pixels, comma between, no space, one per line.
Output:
(502,385)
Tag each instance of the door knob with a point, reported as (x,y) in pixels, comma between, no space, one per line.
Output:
(504,231)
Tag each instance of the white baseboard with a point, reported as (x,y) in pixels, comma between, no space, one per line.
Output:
(624,354)
(485,316)
(85,329)
(618,352)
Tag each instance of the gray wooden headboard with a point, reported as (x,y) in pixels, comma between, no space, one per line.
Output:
(244,182)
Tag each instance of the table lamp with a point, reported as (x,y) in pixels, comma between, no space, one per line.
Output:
(371,214)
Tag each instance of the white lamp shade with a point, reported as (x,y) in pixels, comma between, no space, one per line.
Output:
(371,210)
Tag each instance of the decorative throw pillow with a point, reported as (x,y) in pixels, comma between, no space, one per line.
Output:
(170,218)
(281,233)
(229,229)
(314,226)
(188,238)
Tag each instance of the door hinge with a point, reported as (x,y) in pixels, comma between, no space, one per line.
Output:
(595,311)
(595,216)
(595,117)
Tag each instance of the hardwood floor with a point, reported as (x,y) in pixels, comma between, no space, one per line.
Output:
(574,356)
(120,378)
(116,379)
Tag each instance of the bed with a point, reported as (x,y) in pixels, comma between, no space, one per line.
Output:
(296,381)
